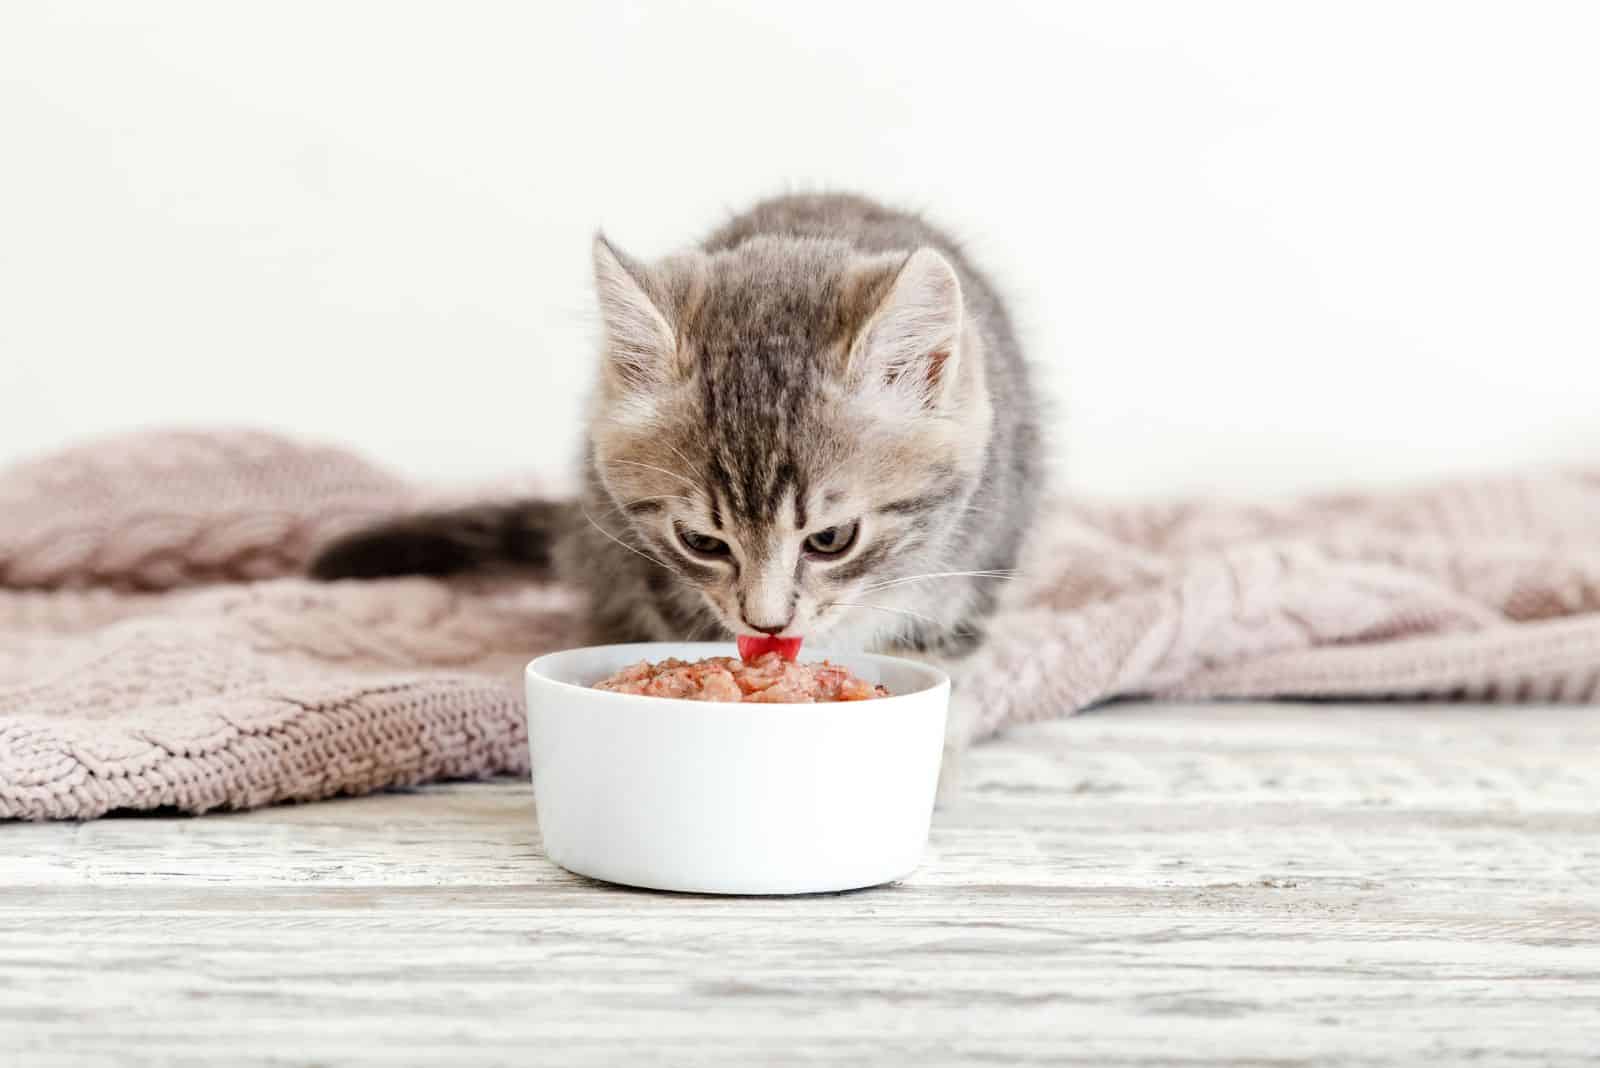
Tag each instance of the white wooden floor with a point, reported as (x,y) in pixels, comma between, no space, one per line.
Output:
(1248,884)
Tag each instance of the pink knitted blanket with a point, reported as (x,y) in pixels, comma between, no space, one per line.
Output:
(156,649)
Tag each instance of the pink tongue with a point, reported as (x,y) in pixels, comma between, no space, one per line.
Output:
(751,647)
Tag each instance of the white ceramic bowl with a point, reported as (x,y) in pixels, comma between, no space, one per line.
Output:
(733,798)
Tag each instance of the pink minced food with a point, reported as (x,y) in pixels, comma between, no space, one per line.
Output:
(768,679)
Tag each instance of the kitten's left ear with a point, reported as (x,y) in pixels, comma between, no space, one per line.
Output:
(640,341)
(913,338)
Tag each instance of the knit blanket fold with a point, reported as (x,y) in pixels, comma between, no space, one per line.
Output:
(158,651)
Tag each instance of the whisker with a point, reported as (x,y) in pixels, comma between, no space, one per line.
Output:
(621,509)
(884,608)
(653,467)
(639,553)
(657,497)
(996,574)
(679,454)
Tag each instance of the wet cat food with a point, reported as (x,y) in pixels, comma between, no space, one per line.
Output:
(767,678)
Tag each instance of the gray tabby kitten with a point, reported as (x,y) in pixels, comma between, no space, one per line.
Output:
(817,423)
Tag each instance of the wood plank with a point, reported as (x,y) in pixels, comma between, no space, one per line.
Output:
(1215,884)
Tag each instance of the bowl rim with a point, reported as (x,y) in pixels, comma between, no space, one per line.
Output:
(940,681)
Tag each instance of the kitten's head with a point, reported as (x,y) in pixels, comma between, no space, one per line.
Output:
(788,422)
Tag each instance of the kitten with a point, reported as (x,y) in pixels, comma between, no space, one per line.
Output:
(816,424)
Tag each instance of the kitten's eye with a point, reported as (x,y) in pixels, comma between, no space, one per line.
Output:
(834,540)
(704,544)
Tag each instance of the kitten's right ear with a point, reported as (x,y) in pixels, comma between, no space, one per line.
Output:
(639,341)
(913,339)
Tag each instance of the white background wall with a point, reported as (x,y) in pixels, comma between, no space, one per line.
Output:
(1254,246)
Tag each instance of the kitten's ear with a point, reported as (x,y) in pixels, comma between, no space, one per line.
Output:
(639,341)
(912,340)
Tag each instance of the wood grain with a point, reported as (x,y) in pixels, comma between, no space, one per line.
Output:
(1246,884)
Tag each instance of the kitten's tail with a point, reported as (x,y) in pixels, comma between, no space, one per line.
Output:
(519,534)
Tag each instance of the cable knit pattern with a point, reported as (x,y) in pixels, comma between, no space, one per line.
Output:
(1487,590)
(158,510)
(157,651)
